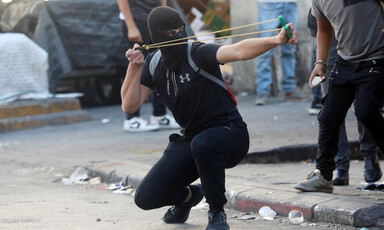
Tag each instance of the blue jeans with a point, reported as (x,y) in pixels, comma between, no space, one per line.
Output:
(268,11)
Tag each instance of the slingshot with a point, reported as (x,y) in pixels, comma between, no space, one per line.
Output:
(172,42)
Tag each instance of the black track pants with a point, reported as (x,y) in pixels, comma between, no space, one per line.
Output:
(204,156)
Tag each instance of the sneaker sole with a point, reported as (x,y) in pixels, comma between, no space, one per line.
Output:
(326,190)
(341,183)
(166,127)
(378,177)
(214,228)
(314,111)
(140,130)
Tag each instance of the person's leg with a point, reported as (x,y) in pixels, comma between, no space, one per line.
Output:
(159,116)
(133,122)
(370,99)
(336,103)
(159,108)
(368,148)
(288,63)
(339,97)
(214,150)
(132,115)
(267,11)
(342,158)
(165,184)
(287,51)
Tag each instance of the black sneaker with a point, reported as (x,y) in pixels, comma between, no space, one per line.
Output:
(217,221)
(178,214)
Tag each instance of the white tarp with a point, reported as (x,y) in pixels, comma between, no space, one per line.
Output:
(23,67)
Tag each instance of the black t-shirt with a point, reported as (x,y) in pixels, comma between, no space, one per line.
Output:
(141,8)
(196,102)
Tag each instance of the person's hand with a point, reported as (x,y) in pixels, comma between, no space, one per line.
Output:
(283,37)
(319,70)
(134,35)
(135,57)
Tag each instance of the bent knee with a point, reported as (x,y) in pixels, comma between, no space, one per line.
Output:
(142,202)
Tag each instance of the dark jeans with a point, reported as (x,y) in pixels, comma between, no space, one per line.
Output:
(159,108)
(343,152)
(206,155)
(362,82)
(368,147)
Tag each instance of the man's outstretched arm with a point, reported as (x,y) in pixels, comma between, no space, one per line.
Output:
(251,48)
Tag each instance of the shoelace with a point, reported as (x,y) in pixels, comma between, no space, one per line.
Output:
(312,176)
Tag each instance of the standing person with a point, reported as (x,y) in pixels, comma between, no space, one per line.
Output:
(357,76)
(269,9)
(368,148)
(343,151)
(134,14)
(214,135)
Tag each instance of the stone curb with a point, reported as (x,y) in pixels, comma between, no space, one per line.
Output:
(295,153)
(28,122)
(371,216)
(37,107)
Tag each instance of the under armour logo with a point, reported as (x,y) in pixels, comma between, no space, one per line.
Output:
(184,78)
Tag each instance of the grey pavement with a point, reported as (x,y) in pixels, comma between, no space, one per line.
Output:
(282,129)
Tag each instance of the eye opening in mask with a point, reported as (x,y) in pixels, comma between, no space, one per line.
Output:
(171,33)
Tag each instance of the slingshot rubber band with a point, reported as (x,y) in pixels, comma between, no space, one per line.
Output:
(229,36)
(172,42)
(214,32)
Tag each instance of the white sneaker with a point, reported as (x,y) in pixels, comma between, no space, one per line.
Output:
(315,182)
(137,124)
(165,122)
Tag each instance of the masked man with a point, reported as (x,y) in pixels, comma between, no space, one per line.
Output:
(214,135)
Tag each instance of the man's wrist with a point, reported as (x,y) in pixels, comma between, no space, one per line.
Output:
(320,62)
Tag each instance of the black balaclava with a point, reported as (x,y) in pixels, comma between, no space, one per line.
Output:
(160,20)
